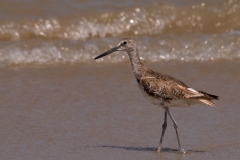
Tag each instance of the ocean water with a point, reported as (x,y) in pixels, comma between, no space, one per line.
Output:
(74,32)
(58,103)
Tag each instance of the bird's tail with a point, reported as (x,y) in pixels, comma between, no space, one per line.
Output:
(207,99)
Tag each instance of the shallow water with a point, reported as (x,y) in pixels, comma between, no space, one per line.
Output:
(58,103)
(97,112)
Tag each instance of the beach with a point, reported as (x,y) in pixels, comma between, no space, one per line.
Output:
(58,103)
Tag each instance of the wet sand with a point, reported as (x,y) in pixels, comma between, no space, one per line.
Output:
(56,102)
(97,112)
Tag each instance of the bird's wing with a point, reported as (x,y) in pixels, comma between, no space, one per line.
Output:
(168,89)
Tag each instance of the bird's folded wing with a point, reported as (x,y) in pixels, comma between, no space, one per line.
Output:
(170,89)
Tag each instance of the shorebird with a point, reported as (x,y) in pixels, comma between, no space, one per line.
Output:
(161,89)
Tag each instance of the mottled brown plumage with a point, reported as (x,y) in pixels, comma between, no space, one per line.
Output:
(169,89)
(161,89)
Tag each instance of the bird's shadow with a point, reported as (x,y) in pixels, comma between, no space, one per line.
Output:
(151,149)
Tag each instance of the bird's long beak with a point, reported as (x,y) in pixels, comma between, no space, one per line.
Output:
(108,52)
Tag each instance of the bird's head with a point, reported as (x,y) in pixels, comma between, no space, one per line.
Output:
(127,44)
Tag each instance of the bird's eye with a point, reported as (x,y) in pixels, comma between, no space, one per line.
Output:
(124,42)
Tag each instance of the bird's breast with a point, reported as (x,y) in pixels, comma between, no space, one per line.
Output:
(150,97)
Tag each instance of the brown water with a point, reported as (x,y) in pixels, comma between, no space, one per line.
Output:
(58,103)
(47,32)
(97,112)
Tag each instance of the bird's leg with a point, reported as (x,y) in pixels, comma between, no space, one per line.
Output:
(164,126)
(176,128)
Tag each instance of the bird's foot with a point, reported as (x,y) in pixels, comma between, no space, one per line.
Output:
(159,149)
(182,151)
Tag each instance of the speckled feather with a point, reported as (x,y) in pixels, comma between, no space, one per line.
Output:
(167,88)
(160,89)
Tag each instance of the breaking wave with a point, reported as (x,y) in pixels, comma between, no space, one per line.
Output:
(152,20)
(164,32)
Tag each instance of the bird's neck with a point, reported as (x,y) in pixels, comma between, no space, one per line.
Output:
(135,61)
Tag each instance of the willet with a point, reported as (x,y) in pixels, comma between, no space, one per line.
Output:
(161,89)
